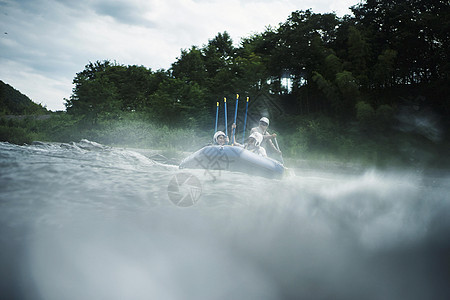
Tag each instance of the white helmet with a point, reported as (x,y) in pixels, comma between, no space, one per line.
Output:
(258,138)
(265,120)
(217,134)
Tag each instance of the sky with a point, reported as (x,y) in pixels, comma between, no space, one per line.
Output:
(44,43)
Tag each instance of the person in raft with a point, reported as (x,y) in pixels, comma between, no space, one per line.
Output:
(220,138)
(253,143)
(267,137)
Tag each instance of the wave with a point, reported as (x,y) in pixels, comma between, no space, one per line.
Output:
(86,221)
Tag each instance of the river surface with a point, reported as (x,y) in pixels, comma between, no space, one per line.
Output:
(85,221)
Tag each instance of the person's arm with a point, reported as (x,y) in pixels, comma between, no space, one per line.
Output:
(262,152)
(234,143)
(233,138)
(271,144)
(267,135)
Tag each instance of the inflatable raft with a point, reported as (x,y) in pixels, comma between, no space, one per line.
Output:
(235,159)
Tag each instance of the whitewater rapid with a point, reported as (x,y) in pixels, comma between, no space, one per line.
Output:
(86,221)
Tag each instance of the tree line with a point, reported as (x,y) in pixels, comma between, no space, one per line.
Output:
(356,68)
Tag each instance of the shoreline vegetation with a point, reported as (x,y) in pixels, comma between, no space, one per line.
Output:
(328,146)
(369,89)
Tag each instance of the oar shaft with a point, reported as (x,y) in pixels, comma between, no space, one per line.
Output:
(226,121)
(245,122)
(235,116)
(278,148)
(217,117)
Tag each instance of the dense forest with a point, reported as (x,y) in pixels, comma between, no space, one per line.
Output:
(389,53)
(338,84)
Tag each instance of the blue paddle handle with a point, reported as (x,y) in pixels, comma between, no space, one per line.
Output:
(245,122)
(226,122)
(235,115)
(217,116)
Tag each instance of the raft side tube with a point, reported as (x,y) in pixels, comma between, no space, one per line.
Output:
(233,158)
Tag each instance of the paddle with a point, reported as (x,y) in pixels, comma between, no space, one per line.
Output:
(245,122)
(235,117)
(217,116)
(226,122)
(278,148)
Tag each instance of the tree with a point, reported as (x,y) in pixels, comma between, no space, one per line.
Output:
(93,98)
(383,71)
(105,89)
(304,41)
(218,59)
(358,55)
(332,65)
(134,84)
(190,66)
(176,103)
(365,114)
(349,93)
(416,29)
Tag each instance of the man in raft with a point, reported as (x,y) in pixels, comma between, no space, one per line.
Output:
(267,137)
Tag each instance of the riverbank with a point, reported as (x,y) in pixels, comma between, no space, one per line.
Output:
(307,147)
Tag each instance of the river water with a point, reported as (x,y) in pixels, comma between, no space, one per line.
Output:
(84,221)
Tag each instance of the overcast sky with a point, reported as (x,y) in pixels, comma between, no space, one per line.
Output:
(44,43)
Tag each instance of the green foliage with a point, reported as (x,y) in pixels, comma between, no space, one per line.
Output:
(190,66)
(322,138)
(61,127)
(327,87)
(374,121)
(19,130)
(15,135)
(417,30)
(365,114)
(175,103)
(342,92)
(384,117)
(13,102)
(332,66)
(349,91)
(358,53)
(383,70)
(135,130)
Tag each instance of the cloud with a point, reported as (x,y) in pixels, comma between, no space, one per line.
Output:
(55,39)
(126,12)
(32,82)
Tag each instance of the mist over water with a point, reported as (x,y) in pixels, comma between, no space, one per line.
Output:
(84,221)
